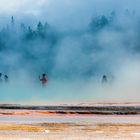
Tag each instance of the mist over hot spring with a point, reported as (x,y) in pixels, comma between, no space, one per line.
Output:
(75,44)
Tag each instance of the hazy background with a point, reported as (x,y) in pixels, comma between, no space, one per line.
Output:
(77,42)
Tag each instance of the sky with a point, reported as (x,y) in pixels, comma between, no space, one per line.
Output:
(113,53)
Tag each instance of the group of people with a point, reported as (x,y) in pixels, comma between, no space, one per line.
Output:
(3,78)
(44,80)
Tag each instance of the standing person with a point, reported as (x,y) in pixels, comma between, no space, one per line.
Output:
(43,79)
(6,78)
(104,79)
(0,77)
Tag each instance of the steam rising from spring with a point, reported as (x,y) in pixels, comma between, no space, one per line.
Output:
(74,53)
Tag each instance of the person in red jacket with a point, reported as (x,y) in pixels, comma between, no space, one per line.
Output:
(43,79)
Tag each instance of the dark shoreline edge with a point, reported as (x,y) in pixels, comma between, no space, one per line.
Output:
(101,110)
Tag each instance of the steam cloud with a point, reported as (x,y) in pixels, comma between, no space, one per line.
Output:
(75,44)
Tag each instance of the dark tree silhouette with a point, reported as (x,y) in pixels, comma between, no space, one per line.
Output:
(99,23)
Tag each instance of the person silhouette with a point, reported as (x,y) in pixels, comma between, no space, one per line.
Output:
(1,77)
(6,78)
(43,79)
(104,79)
